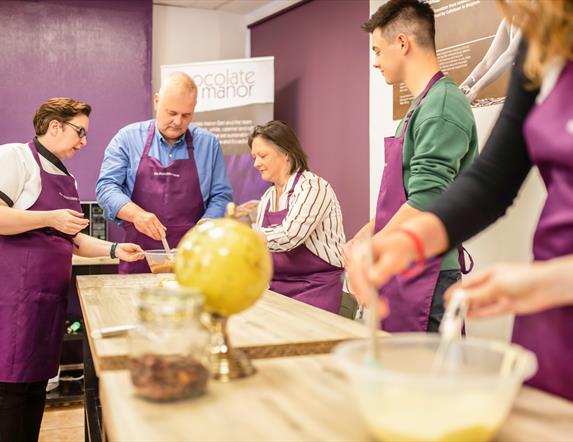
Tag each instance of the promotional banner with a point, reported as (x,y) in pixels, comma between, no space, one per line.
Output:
(233,96)
(475,48)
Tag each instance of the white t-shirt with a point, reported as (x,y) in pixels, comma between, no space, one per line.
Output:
(20,180)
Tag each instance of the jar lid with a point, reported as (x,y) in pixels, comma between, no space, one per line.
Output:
(159,304)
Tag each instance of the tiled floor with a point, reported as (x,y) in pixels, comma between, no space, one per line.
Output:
(63,424)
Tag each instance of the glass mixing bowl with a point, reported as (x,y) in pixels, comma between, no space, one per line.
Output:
(160,261)
(404,398)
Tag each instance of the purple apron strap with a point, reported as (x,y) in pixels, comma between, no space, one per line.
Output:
(437,76)
(290,192)
(462,251)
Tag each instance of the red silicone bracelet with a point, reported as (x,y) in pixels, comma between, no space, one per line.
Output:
(419,246)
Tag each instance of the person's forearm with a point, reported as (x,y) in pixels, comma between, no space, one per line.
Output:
(501,64)
(474,77)
(367,229)
(220,197)
(554,279)
(482,194)
(426,226)
(129,211)
(145,222)
(394,250)
(280,239)
(90,247)
(216,209)
(404,214)
(15,221)
(431,231)
(498,45)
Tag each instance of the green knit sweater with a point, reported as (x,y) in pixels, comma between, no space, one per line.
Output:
(440,142)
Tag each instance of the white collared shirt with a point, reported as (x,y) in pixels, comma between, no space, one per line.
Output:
(20,178)
(314,219)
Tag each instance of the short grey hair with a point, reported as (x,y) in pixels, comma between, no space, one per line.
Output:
(178,82)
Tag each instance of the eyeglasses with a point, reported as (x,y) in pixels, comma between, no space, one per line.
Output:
(79,130)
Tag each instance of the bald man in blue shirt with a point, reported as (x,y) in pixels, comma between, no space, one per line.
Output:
(161,177)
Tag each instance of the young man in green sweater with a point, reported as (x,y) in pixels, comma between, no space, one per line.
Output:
(434,142)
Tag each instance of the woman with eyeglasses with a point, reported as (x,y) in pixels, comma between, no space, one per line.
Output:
(301,219)
(40,224)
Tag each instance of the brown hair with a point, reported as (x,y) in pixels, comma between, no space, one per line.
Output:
(408,16)
(59,109)
(548,29)
(282,136)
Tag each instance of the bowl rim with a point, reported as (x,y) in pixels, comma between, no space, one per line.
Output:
(528,368)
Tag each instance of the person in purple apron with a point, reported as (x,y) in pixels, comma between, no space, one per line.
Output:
(435,141)
(301,219)
(535,127)
(40,221)
(161,177)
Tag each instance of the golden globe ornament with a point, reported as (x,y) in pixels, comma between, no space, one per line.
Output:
(229,263)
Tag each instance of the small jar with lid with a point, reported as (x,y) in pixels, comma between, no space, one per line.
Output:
(168,349)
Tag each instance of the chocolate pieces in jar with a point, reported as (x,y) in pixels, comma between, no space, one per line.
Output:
(168,377)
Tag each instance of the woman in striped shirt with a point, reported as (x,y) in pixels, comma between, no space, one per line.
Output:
(301,219)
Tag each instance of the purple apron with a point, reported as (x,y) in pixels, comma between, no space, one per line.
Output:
(173,193)
(409,298)
(299,273)
(35,269)
(549,134)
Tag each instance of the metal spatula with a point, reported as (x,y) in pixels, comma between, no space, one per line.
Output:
(363,253)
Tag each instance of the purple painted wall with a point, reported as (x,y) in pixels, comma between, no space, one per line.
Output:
(321,90)
(97,51)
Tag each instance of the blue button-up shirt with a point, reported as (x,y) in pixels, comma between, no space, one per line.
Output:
(121,160)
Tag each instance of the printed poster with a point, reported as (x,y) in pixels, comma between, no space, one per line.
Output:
(233,96)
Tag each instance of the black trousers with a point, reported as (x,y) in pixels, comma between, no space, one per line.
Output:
(21,410)
(446,279)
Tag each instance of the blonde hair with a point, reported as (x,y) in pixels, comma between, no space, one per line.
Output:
(179,82)
(59,109)
(548,28)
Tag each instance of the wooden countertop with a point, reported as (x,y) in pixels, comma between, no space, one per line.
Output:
(275,326)
(301,398)
(99,261)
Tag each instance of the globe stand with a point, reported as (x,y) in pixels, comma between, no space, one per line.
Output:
(227,363)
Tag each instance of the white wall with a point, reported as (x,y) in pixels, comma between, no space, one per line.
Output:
(507,240)
(187,35)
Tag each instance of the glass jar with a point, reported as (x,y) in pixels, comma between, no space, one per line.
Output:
(168,349)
